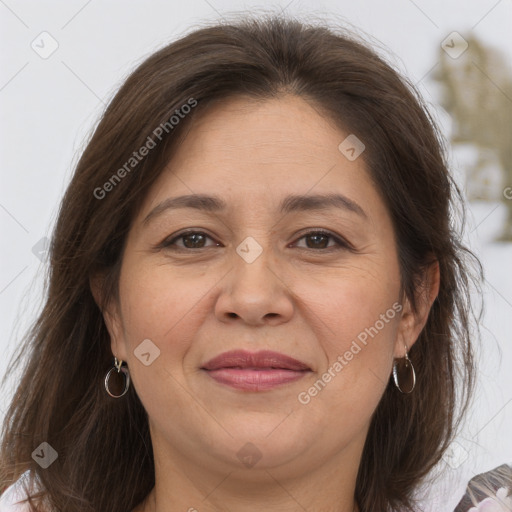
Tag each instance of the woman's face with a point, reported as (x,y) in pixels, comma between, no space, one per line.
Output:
(257,276)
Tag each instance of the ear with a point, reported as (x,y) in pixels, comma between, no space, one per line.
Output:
(111,312)
(413,321)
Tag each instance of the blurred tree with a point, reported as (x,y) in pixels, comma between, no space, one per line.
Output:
(477,93)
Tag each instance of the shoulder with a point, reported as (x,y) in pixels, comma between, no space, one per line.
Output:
(10,499)
(490,491)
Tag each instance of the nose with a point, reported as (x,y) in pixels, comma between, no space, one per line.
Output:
(255,294)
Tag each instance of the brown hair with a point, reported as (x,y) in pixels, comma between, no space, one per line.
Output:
(105,459)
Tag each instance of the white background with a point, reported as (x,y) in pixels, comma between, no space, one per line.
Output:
(49,106)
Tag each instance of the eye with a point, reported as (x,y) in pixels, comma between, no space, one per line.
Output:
(191,240)
(319,239)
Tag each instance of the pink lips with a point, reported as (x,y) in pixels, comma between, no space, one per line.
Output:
(258,371)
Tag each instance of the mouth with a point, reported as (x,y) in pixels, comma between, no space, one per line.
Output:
(259,371)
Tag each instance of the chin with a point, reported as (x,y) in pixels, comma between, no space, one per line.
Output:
(266,444)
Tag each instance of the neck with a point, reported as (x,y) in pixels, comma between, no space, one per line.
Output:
(153,504)
(193,489)
(194,481)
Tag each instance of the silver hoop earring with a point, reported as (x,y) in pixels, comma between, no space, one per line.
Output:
(117,380)
(404,374)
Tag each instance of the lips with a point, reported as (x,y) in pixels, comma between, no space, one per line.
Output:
(263,359)
(257,371)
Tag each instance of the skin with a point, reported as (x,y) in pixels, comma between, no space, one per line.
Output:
(298,298)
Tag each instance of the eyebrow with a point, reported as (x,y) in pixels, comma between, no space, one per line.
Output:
(291,203)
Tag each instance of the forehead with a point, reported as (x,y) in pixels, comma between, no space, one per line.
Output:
(283,131)
(253,153)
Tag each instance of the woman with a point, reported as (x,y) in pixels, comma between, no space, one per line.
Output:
(257,300)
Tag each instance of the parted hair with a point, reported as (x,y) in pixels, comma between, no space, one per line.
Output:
(105,460)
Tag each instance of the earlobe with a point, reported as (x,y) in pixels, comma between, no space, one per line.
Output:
(413,320)
(110,315)
(96,285)
(405,336)
(434,282)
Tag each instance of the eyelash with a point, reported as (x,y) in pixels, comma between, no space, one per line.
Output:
(342,244)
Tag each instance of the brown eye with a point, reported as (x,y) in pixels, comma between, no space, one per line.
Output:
(194,240)
(321,239)
(190,240)
(318,241)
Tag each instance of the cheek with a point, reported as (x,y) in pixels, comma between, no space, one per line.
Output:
(159,304)
(352,303)
(358,317)
(359,350)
